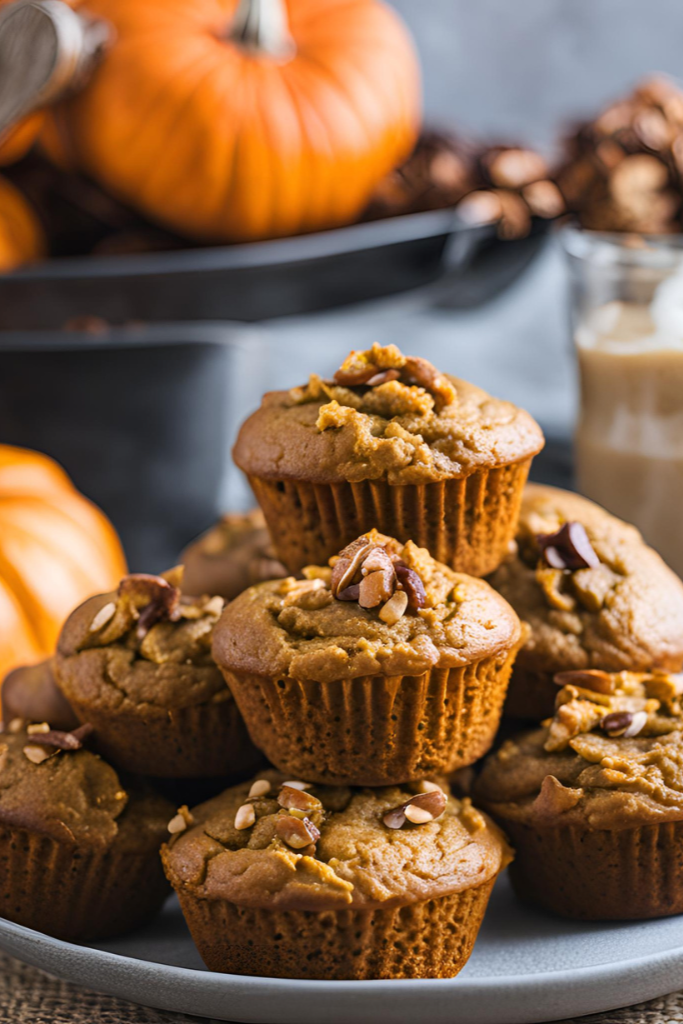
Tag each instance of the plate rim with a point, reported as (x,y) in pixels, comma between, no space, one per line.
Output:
(550,988)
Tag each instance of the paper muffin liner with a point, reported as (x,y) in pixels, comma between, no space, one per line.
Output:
(201,741)
(432,939)
(625,874)
(467,523)
(530,695)
(375,730)
(75,892)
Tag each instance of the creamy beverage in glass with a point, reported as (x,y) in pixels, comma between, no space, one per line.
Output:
(629,342)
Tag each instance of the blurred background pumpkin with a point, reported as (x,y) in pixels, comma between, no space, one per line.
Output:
(56,549)
(230,121)
(21,234)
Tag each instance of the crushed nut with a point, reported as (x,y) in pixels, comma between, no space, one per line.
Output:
(152,597)
(182,820)
(36,754)
(568,548)
(296,784)
(16,725)
(588,679)
(64,740)
(412,584)
(260,788)
(301,587)
(394,609)
(104,615)
(291,797)
(39,727)
(296,832)
(624,723)
(418,810)
(245,817)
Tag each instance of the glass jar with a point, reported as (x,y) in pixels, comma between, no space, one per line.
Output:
(628,333)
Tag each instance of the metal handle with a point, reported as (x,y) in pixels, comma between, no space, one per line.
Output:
(46,48)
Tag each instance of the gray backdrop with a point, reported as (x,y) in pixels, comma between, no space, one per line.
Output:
(521,68)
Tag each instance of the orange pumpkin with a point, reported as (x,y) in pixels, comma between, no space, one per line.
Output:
(21,235)
(56,549)
(249,121)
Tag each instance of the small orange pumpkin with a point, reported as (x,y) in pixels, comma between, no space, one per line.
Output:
(230,121)
(56,549)
(21,234)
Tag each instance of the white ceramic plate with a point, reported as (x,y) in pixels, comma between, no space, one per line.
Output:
(526,967)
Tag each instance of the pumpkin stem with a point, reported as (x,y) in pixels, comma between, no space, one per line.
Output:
(260,26)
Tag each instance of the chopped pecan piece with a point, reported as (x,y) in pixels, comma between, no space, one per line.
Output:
(413,586)
(153,597)
(290,797)
(348,564)
(376,588)
(588,679)
(63,740)
(568,548)
(296,832)
(624,723)
(418,810)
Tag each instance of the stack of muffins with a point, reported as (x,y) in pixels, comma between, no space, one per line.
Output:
(347,635)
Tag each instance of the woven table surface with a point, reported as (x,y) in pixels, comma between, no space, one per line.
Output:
(27,996)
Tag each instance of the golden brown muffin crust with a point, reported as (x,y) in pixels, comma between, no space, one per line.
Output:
(298,628)
(74,796)
(610,758)
(626,613)
(111,662)
(357,860)
(437,428)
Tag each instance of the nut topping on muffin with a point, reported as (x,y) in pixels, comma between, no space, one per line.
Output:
(143,602)
(371,571)
(628,709)
(418,810)
(569,548)
(59,741)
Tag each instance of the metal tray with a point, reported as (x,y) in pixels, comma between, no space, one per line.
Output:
(249,282)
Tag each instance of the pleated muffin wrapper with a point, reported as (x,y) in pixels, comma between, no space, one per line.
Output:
(431,939)
(78,892)
(599,875)
(375,730)
(466,522)
(208,740)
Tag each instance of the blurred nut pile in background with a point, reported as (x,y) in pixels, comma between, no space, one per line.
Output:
(624,170)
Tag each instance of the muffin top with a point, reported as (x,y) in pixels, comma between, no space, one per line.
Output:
(145,646)
(383,416)
(293,846)
(592,591)
(51,784)
(611,758)
(380,607)
(233,555)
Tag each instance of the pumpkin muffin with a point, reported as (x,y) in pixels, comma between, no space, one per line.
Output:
(79,850)
(381,668)
(593,801)
(389,443)
(233,555)
(137,665)
(291,880)
(31,694)
(594,594)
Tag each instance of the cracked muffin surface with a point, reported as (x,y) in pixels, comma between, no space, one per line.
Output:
(384,415)
(623,611)
(352,859)
(137,663)
(305,629)
(611,757)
